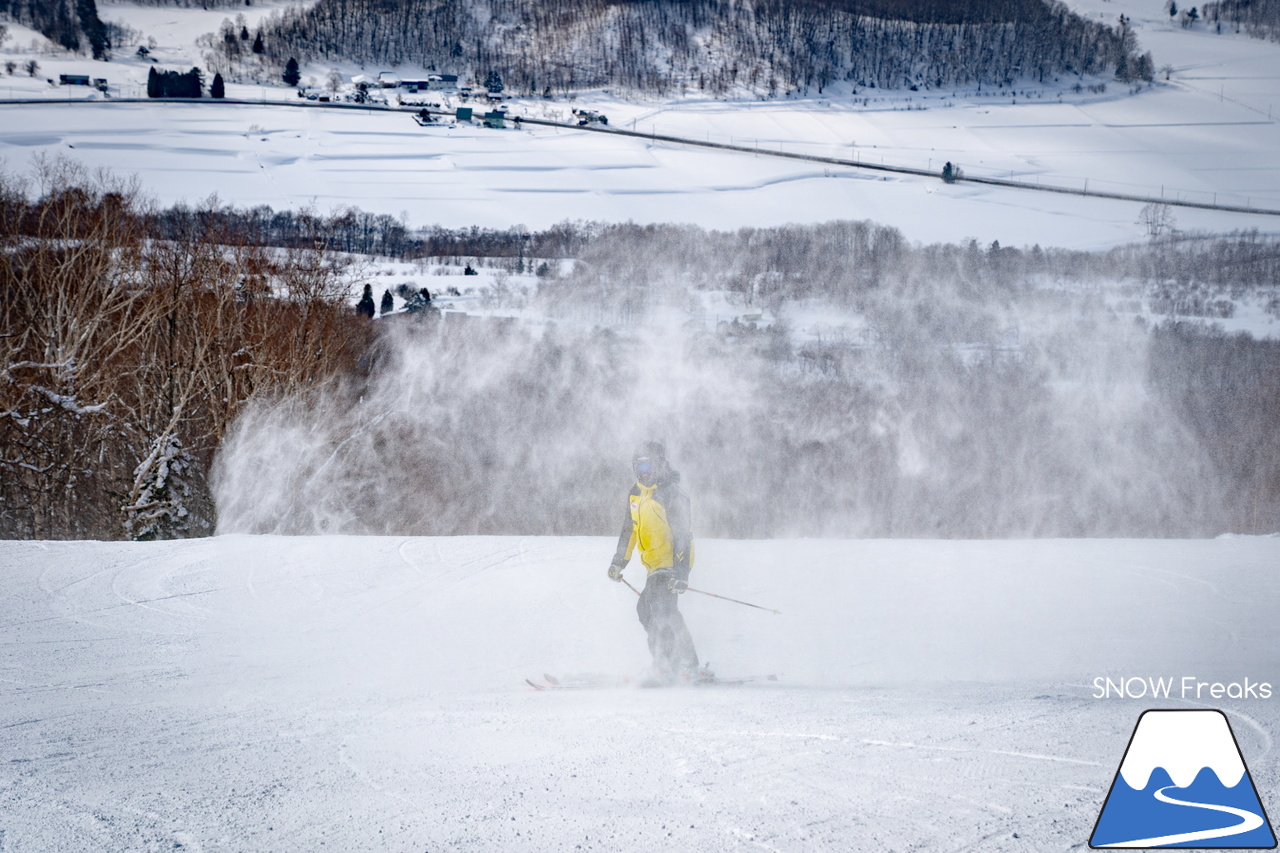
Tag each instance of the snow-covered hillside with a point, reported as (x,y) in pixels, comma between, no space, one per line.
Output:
(269,693)
(1206,134)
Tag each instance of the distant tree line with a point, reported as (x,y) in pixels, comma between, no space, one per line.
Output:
(1259,18)
(834,260)
(70,23)
(769,47)
(1229,261)
(380,234)
(842,262)
(194,4)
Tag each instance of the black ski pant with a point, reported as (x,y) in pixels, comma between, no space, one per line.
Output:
(669,640)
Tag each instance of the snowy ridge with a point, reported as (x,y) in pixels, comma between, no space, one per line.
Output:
(1183,743)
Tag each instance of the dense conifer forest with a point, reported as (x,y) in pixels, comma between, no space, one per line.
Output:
(74,24)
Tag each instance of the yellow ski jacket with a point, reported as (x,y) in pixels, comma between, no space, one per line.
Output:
(657,522)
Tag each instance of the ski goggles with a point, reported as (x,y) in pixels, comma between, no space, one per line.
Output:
(644,467)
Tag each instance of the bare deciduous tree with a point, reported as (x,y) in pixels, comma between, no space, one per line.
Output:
(123,358)
(1157,219)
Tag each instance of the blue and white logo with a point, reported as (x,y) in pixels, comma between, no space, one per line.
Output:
(1183,783)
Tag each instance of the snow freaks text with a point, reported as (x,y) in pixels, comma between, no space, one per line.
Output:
(1186,687)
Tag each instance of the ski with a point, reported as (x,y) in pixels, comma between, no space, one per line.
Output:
(595,681)
(717,681)
(588,681)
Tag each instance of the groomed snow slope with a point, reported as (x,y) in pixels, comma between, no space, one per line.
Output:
(280,694)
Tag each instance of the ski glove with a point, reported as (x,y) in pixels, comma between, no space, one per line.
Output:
(615,572)
(677,586)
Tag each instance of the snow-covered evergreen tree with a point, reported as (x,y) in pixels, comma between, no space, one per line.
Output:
(365,306)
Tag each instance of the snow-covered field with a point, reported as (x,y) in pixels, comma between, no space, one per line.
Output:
(466,175)
(275,694)
(1208,134)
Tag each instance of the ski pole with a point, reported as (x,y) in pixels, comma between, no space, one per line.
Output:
(734,600)
(629,586)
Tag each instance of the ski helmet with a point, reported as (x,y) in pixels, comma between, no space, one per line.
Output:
(649,463)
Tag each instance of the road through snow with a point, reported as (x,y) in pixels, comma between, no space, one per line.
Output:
(270,693)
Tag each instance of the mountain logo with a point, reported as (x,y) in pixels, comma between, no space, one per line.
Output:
(1183,783)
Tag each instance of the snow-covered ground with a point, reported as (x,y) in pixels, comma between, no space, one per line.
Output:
(265,693)
(465,174)
(1207,134)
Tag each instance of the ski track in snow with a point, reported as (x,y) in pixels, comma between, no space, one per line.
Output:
(292,693)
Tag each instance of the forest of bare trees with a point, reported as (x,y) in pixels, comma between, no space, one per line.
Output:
(1259,18)
(841,262)
(166,370)
(982,391)
(976,356)
(844,252)
(354,230)
(124,358)
(768,47)
(194,4)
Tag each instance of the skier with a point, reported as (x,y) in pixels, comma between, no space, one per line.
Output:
(657,522)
